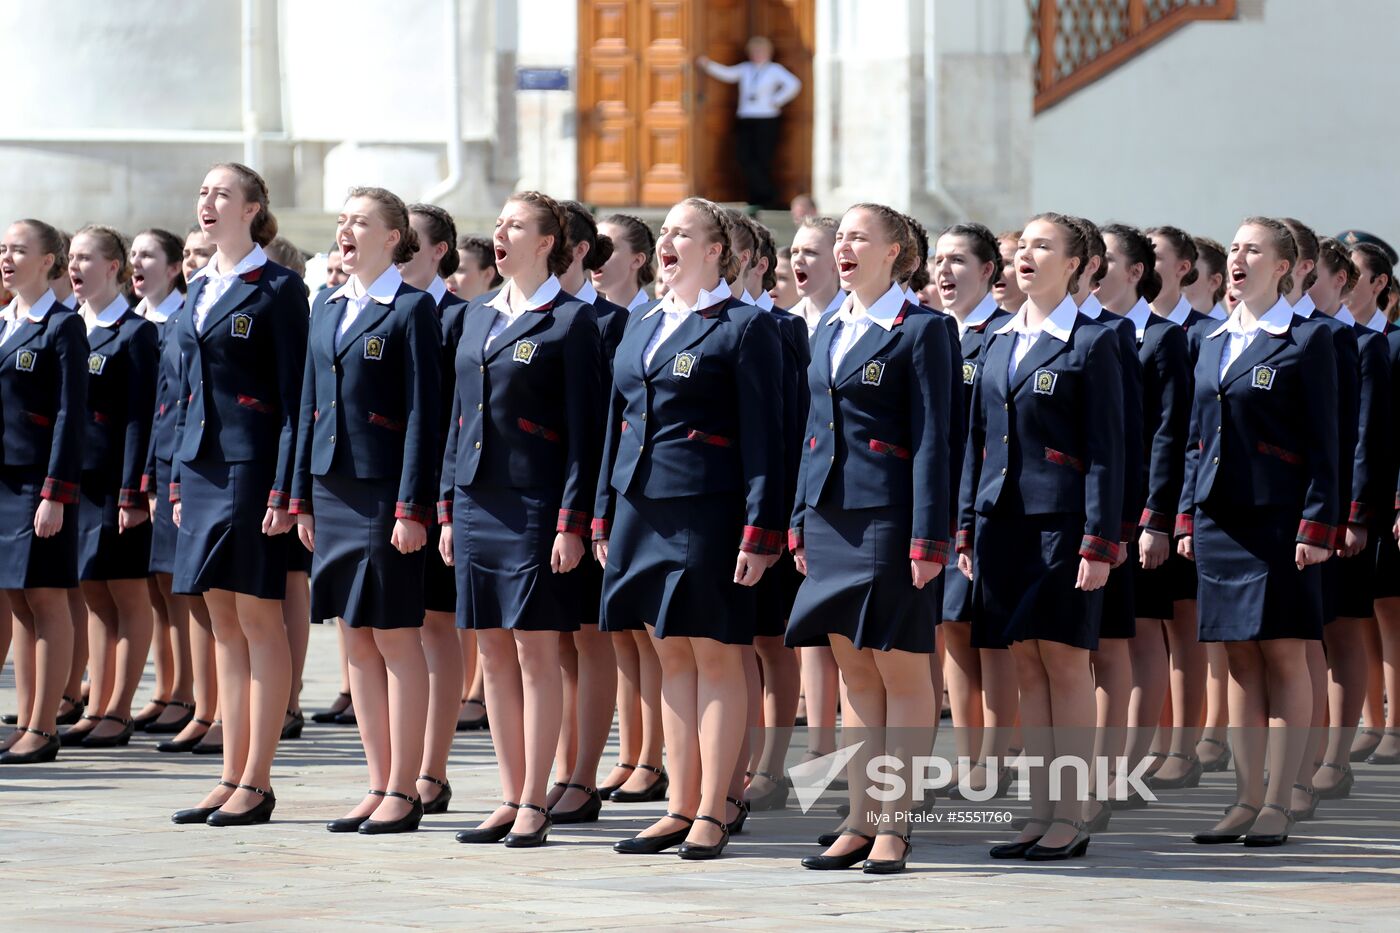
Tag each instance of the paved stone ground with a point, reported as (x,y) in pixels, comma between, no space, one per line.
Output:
(87,844)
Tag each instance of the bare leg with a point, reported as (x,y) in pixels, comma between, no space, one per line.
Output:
(780,685)
(567,749)
(162,653)
(1373,703)
(629,707)
(1001,699)
(129,648)
(911,717)
(649,669)
(962,671)
(1346,691)
(24,658)
(177,638)
(721,704)
(1217,719)
(862,727)
(442,653)
(51,631)
(1388,618)
(596,696)
(1285,666)
(78,611)
(504,693)
(1112,667)
(1315,735)
(406,709)
(543,692)
(296,618)
(268,689)
(370,685)
(679,714)
(1248,717)
(1149,652)
(102,645)
(820,687)
(203,669)
(1072,712)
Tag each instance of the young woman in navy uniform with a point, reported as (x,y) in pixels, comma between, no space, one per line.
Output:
(1164,360)
(43,398)
(1258,515)
(114,530)
(981,681)
(1208,290)
(363,491)
(587,661)
(637,776)
(521,459)
(435,260)
(1040,514)
(871,491)
(691,474)
(1006,290)
(245,326)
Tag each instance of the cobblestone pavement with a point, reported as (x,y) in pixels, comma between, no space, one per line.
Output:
(87,844)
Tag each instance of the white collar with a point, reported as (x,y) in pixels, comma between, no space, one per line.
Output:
(1092,308)
(707,298)
(1218,312)
(985,309)
(1060,323)
(1305,306)
(587,294)
(1139,314)
(543,295)
(883,312)
(382,289)
(37,312)
(161,312)
(111,314)
(837,300)
(255,259)
(911,296)
(639,299)
(1275,321)
(764,301)
(1181,312)
(437,288)
(1376,323)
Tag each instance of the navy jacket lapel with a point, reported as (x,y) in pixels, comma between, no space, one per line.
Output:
(239,292)
(996,360)
(693,329)
(522,326)
(871,344)
(1208,363)
(373,313)
(1045,349)
(1261,349)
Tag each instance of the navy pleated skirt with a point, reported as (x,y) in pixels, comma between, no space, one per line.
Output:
(1250,587)
(1181,576)
(356,573)
(777,591)
(957,595)
(1154,591)
(1024,571)
(221,545)
(1356,578)
(104,553)
(298,557)
(1387,577)
(163,530)
(440,580)
(26,560)
(502,539)
(671,566)
(858,583)
(1120,613)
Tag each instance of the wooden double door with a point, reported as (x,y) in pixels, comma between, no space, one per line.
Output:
(653,128)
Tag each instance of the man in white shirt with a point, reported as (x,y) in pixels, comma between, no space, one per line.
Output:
(765,87)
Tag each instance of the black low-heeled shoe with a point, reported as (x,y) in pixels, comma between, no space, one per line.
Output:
(651,845)
(826,839)
(176,726)
(606,790)
(75,712)
(292,725)
(349,824)
(12,719)
(118,740)
(1018,849)
(487,834)
(41,755)
(776,798)
(1001,789)
(530,840)
(408,823)
(657,791)
(346,717)
(586,812)
(139,723)
(260,813)
(198,814)
(1134,801)
(889,866)
(327,716)
(1342,788)
(1214,838)
(1376,758)
(736,825)
(75,736)
(700,852)
(839,862)
(479,723)
(1299,816)
(1075,848)
(1270,840)
(208,748)
(1101,819)
(444,796)
(1192,777)
(1361,754)
(1220,764)
(178,746)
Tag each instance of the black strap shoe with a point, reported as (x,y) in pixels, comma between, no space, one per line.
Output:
(606,792)
(487,834)
(75,736)
(586,812)
(696,852)
(1212,837)
(889,866)
(198,814)
(775,798)
(1270,840)
(1192,777)
(176,725)
(408,823)
(328,715)
(178,746)
(75,712)
(116,740)
(41,755)
(260,813)
(349,824)
(657,791)
(532,840)
(838,862)
(1075,848)
(736,825)
(292,725)
(651,845)
(444,796)
(1018,849)
(140,723)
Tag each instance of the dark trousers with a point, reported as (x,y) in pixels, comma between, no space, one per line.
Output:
(757,141)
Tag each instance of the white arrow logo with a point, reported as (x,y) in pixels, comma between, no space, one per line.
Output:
(811,778)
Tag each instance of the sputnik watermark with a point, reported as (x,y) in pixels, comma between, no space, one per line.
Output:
(887,781)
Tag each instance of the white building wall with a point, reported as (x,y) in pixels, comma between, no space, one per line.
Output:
(1289,109)
(547,121)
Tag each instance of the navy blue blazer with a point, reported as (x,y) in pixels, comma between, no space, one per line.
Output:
(43,399)
(1348,354)
(700,418)
(957,413)
(121,366)
(1267,434)
(242,377)
(1197,327)
(1134,492)
(452,312)
(1371,485)
(369,408)
(526,413)
(879,432)
(1049,440)
(1164,355)
(173,348)
(797,398)
(612,324)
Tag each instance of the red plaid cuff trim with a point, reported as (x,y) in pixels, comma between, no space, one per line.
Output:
(1360,514)
(300,507)
(277,499)
(407,511)
(1339,537)
(130,499)
(924,549)
(572,522)
(1096,548)
(1316,534)
(794,539)
(1156,521)
(963,542)
(1185,525)
(759,541)
(174,492)
(444,512)
(57,490)
(148,484)
(601,529)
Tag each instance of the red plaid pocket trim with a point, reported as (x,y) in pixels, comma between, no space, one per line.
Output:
(388,424)
(760,541)
(885,447)
(573,522)
(529,427)
(1064,459)
(714,440)
(43,421)
(99,417)
(1287,456)
(247,401)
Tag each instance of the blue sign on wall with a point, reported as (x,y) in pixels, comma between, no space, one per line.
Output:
(542,79)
